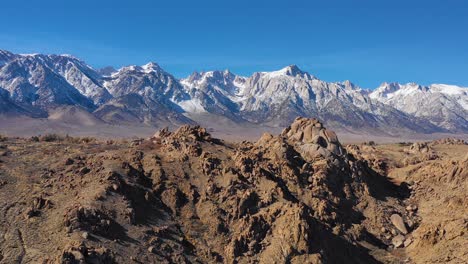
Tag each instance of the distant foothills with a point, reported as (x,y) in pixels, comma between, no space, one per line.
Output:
(33,85)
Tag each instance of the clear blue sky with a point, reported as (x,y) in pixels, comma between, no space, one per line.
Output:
(365,41)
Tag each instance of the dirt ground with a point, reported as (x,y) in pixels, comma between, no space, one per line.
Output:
(185,197)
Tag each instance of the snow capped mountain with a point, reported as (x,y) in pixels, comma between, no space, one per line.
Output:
(276,98)
(289,71)
(34,83)
(145,94)
(443,105)
(5,57)
(148,80)
(78,74)
(30,81)
(218,92)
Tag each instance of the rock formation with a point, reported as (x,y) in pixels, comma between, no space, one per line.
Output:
(182,197)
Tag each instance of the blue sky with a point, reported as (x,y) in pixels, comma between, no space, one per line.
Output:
(365,41)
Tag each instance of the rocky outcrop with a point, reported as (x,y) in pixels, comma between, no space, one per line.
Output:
(184,197)
(418,147)
(449,141)
(312,139)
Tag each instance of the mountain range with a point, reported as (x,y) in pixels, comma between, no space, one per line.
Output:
(35,84)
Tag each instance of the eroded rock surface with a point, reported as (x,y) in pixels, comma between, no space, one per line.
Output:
(185,197)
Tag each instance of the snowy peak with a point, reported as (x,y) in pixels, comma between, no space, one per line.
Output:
(274,98)
(289,71)
(224,80)
(389,90)
(216,75)
(451,90)
(292,70)
(150,67)
(443,105)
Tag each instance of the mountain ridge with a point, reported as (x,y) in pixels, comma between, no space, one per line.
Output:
(148,94)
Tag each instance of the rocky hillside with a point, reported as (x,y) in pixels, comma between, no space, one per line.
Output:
(183,196)
(149,95)
(443,105)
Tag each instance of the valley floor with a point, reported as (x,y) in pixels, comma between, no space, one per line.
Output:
(220,128)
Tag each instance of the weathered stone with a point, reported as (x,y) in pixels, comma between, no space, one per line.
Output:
(151,249)
(398,241)
(84,170)
(398,222)
(407,242)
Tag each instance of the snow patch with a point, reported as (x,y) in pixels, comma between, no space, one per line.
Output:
(449,89)
(192,106)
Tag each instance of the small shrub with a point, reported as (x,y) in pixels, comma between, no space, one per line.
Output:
(404,144)
(88,140)
(80,140)
(50,138)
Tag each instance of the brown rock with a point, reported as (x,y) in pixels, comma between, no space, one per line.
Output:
(398,241)
(398,222)
(84,170)
(151,249)
(69,161)
(407,242)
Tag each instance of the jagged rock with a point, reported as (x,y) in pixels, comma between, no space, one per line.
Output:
(84,254)
(162,133)
(398,241)
(411,208)
(312,138)
(449,141)
(407,242)
(398,222)
(151,249)
(89,219)
(184,198)
(84,170)
(69,161)
(418,147)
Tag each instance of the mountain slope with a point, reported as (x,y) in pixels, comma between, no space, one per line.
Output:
(135,108)
(10,108)
(276,98)
(443,105)
(145,94)
(37,83)
(31,82)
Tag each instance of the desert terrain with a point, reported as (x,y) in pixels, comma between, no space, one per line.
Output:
(300,195)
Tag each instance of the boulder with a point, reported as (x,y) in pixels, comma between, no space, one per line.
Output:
(398,222)
(312,138)
(398,241)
